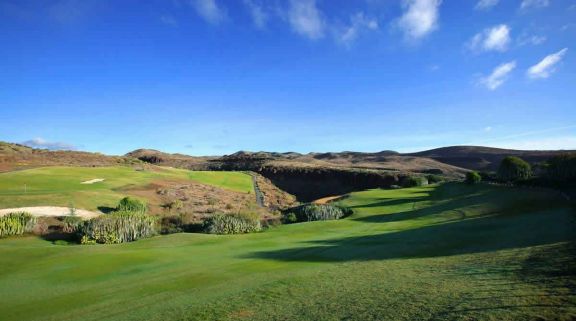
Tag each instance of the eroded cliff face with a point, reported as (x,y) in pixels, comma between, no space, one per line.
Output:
(309,184)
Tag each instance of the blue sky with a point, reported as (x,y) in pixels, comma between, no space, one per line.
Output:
(210,77)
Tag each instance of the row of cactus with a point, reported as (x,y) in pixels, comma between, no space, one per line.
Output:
(16,223)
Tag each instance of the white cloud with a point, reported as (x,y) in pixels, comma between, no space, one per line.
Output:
(498,76)
(487,129)
(545,67)
(44,144)
(534,4)
(306,19)
(358,23)
(486,4)
(257,13)
(420,18)
(209,10)
(495,38)
(534,40)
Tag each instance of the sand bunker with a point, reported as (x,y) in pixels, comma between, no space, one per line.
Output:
(326,200)
(92,181)
(50,211)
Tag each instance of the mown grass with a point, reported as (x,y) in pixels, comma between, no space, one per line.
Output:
(60,186)
(235,181)
(450,252)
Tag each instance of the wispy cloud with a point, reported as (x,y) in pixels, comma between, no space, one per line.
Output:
(306,19)
(498,76)
(486,4)
(546,66)
(209,10)
(358,23)
(526,4)
(257,13)
(495,38)
(420,18)
(44,144)
(534,40)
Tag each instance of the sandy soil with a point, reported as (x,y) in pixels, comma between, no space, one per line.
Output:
(49,211)
(92,181)
(326,200)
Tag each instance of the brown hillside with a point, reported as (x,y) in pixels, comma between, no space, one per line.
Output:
(484,158)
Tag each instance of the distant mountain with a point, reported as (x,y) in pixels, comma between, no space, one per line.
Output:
(484,158)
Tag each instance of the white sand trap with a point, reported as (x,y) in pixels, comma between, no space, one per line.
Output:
(92,181)
(50,211)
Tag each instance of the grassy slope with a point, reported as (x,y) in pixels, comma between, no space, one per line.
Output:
(236,181)
(449,252)
(58,186)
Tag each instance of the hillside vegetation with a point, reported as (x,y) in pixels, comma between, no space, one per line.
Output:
(454,251)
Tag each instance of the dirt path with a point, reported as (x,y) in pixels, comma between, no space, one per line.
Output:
(257,191)
(50,211)
(328,199)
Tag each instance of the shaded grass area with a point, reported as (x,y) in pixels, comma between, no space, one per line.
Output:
(449,252)
(60,186)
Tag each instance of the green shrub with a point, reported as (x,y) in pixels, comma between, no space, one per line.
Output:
(290,218)
(433,179)
(413,181)
(171,224)
(118,227)
(72,224)
(514,169)
(16,223)
(314,212)
(473,178)
(231,224)
(128,204)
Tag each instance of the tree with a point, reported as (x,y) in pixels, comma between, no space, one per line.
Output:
(562,167)
(514,169)
(473,178)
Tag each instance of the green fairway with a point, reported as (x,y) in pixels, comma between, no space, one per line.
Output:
(450,252)
(235,181)
(60,186)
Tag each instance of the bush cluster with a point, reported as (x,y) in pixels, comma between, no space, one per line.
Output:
(128,204)
(414,181)
(16,223)
(118,227)
(473,178)
(231,224)
(314,212)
